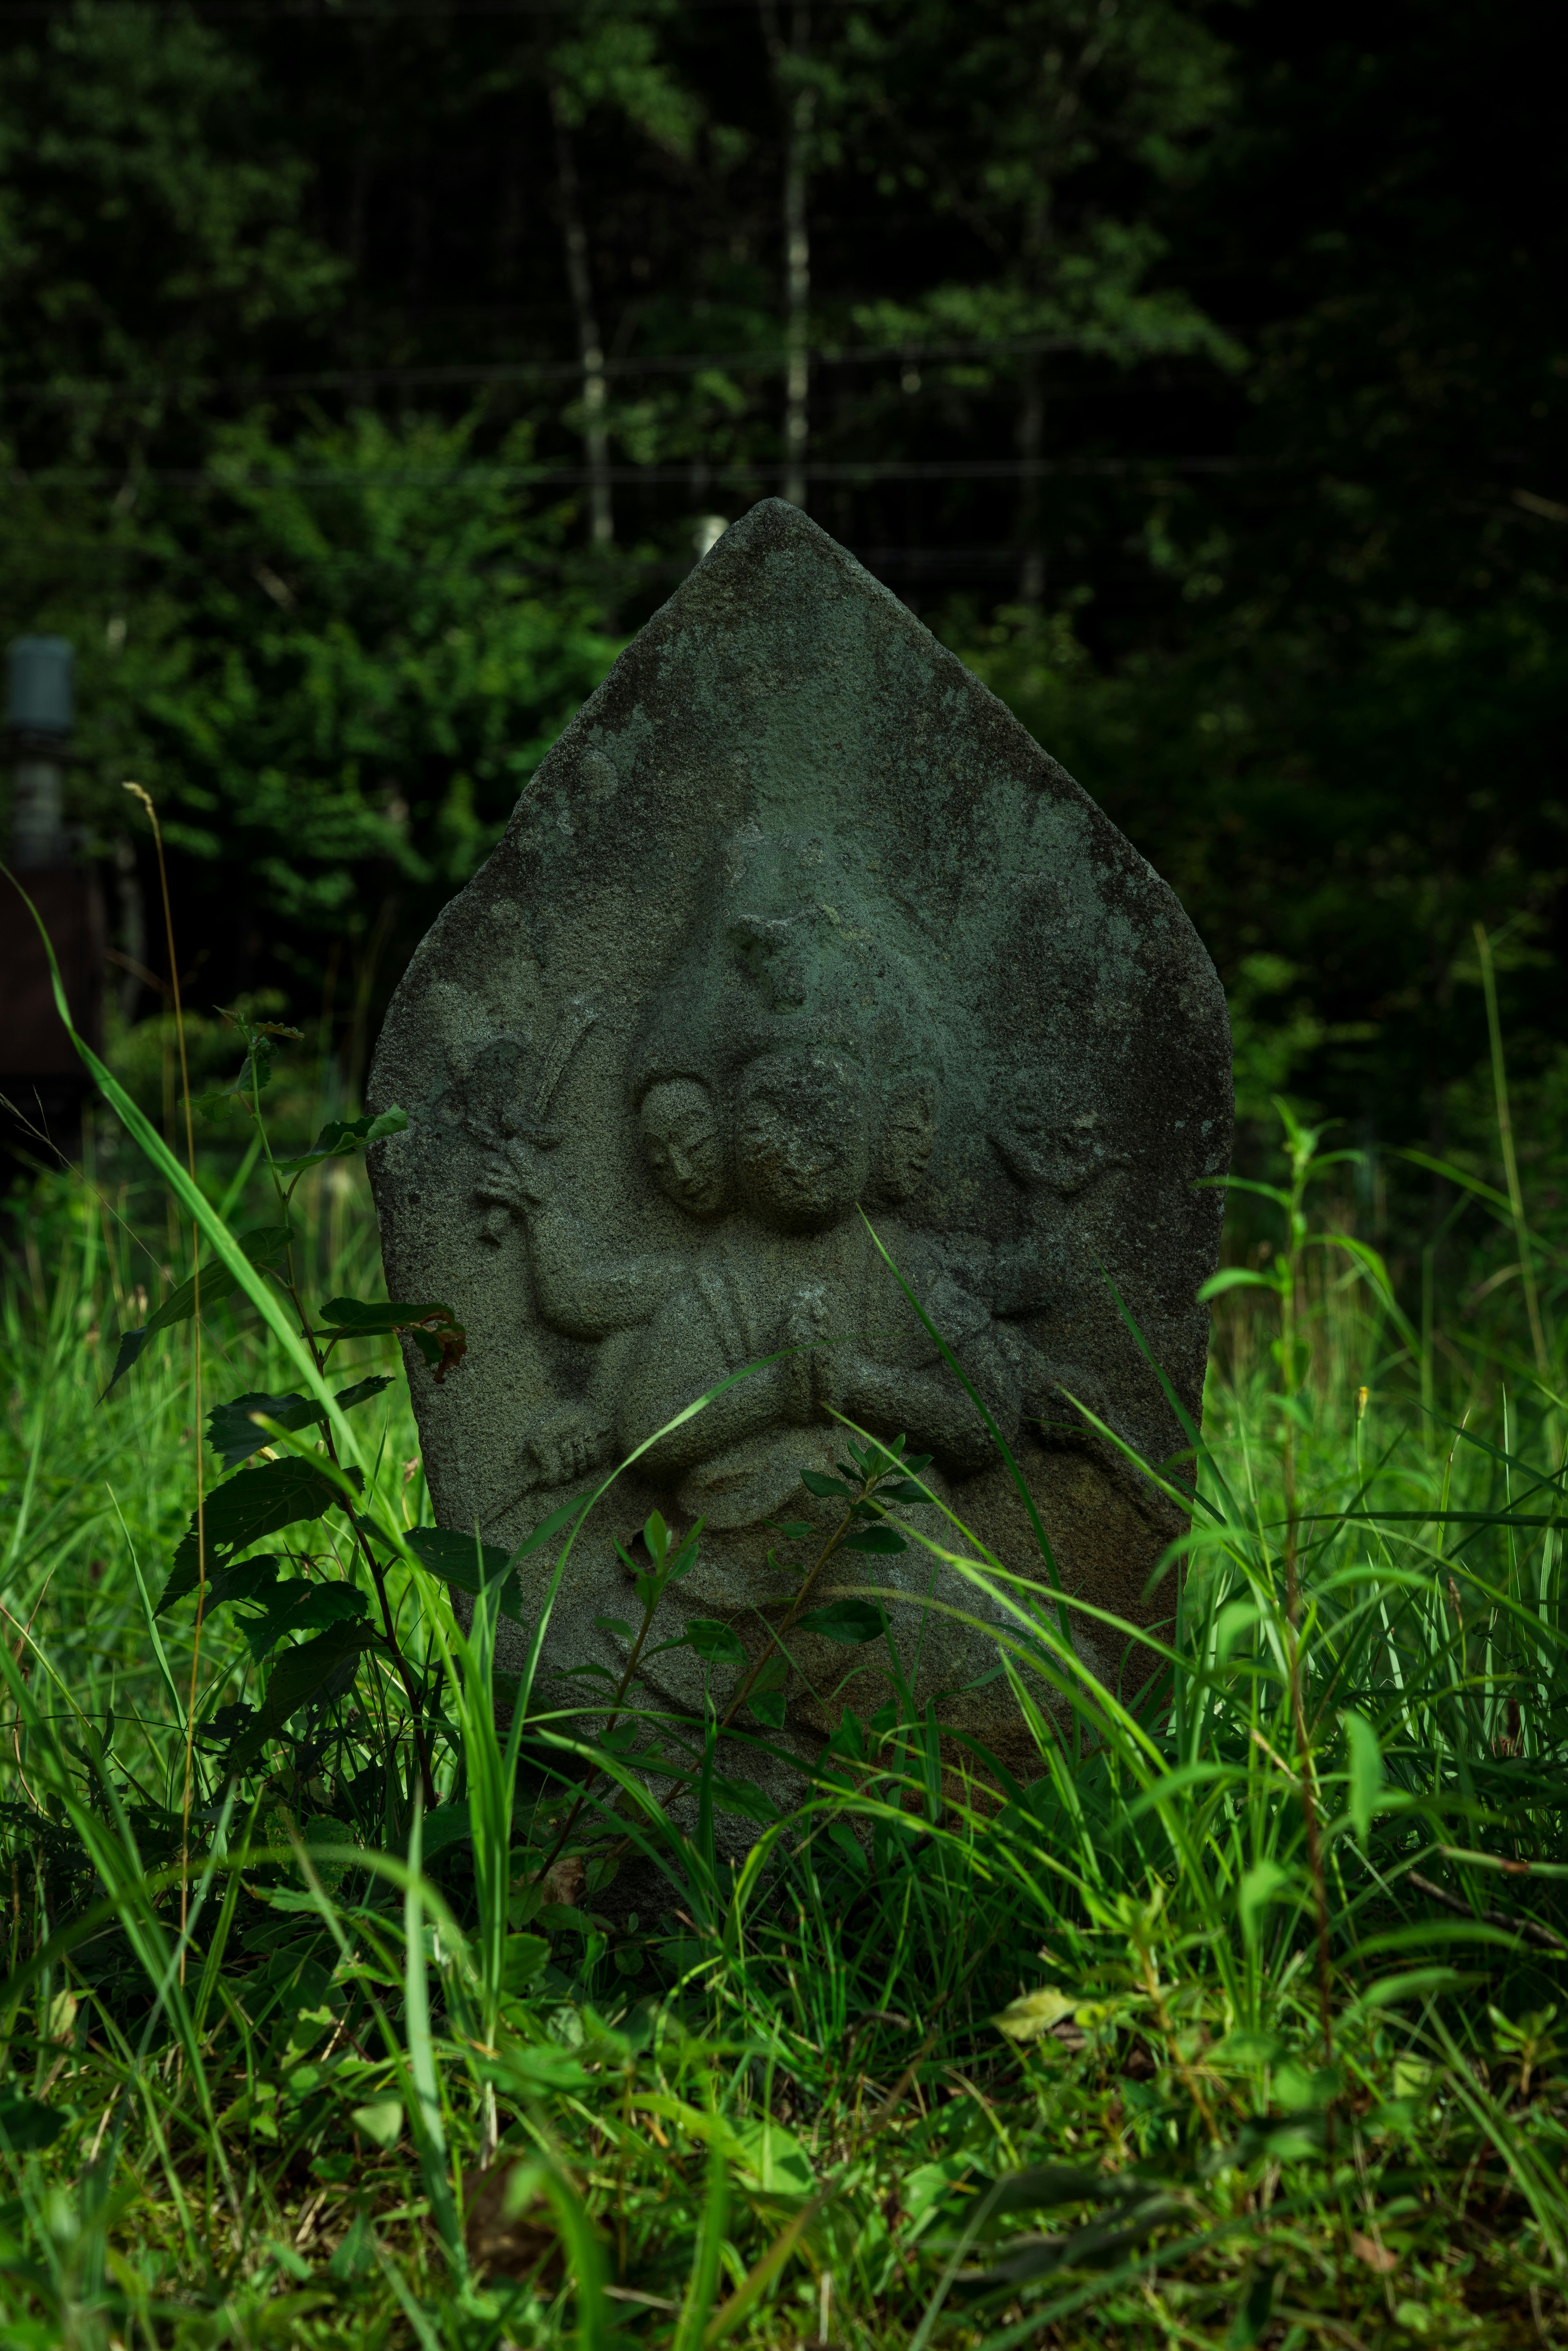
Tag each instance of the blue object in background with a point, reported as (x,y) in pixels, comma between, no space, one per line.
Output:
(39,697)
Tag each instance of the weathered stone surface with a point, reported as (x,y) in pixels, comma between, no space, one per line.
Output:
(797,920)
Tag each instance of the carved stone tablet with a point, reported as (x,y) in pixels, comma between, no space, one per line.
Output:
(798,937)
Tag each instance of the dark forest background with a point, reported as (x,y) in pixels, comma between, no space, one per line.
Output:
(368,372)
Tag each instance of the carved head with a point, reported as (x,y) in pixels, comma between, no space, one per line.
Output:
(802,1133)
(685,1146)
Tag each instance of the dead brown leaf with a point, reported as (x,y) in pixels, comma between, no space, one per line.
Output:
(564,1883)
(1377,2257)
(514,2246)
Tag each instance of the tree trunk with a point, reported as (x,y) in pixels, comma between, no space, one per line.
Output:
(1031,442)
(591,348)
(799,109)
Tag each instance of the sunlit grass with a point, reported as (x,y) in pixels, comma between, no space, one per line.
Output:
(392,2085)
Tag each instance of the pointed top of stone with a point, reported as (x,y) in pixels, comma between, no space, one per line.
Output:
(794,920)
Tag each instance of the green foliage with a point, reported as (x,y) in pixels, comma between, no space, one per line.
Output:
(390,2001)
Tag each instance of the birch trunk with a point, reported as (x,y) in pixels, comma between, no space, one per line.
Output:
(590,345)
(799,109)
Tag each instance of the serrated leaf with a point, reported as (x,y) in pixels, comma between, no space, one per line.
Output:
(263,1245)
(218,1105)
(850,1623)
(881,1540)
(301,1606)
(369,1318)
(232,1430)
(340,1138)
(816,1482)
(247,1579)
(243,1509)
(301,1673)
(131,1345)
(434,1328)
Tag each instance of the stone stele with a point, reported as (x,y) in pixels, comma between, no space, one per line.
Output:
(796,937)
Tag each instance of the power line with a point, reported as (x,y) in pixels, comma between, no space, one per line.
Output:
(696,476)
(325,13)
(744,362)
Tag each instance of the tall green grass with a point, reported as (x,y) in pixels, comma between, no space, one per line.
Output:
(1232,2023)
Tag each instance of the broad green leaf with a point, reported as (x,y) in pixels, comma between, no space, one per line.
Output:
(232,1429)
(882,1541)
(301,1606)
(848,1622)
(340,1138)
(815,1482)
(901,1489)
(1034,2013)
(523,1958)
(219,1105)
(1260,1885)
(370,1317)
(1365,1758)
(613,1624)
(746,1798)
(380,2121)
(768,1707)
(796,1530)
(775,2159)
(712,1641)
(247,1579)
(447,1824)
(433,1327)
(243,1509)
(301,1673)
(26,2125)
(469,1566)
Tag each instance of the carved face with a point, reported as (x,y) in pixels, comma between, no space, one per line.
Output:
(683,1146)
(802,1139)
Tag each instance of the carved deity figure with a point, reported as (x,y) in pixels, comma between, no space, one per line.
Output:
(807,1009)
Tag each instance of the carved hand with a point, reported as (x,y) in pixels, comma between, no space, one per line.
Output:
(805,1326)
(565,1445)
(516,1176)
